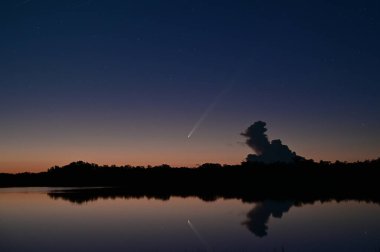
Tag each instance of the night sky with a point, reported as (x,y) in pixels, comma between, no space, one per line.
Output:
(124,82)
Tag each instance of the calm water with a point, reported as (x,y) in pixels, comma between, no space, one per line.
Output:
(32,220)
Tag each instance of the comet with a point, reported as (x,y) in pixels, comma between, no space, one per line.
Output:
(208,110)
(202,118)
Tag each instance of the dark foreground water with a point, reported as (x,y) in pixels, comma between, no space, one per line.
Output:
(31,219)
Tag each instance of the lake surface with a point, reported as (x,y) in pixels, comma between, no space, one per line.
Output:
(38,219)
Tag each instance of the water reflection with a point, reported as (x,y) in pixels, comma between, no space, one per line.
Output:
(256,219)
(109,219)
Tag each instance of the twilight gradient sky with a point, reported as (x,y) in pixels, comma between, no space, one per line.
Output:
(124,82)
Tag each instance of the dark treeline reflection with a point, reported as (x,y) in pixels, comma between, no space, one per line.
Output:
(256,219)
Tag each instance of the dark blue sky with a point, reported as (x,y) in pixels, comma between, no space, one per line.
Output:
(125,81)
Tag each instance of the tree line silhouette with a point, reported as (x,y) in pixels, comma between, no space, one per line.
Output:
(304,178)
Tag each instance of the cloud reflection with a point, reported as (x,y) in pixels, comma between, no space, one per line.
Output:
(258,217)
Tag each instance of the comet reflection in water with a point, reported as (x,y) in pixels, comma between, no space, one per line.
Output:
(198,235)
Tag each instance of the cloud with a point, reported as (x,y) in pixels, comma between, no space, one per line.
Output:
(266,152)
